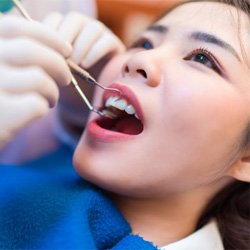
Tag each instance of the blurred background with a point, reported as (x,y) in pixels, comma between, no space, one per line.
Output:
(127,18)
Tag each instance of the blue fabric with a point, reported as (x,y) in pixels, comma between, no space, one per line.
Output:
(44,204)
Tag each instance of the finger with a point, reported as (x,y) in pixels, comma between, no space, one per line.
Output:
(26,52)
(11,26)
(106,44)
(53,20)
(88,36)
(29,79)
(71,26)
(18,111)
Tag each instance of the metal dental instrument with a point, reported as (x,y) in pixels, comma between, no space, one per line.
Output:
(74,67)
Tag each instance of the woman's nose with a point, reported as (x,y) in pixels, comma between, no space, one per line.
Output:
(144,66)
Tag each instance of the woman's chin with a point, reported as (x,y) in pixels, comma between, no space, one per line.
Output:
(88,165)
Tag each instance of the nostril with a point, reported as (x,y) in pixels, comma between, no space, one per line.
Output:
(126,69)
(142,72)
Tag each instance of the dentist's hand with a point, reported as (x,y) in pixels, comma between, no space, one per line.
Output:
(90,39)
(32,66)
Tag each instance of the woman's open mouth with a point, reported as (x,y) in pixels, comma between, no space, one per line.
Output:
(127,119)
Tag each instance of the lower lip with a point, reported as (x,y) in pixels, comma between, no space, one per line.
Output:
(96,132)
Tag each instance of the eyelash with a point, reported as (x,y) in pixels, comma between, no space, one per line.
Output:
(215,65)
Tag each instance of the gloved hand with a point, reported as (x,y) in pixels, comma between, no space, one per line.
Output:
(91,40)
(32,66)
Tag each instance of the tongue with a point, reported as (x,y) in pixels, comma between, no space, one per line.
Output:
(129,125)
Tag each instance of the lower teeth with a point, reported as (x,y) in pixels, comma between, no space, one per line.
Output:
(109,114)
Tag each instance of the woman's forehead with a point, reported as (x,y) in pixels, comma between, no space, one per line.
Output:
(205,10)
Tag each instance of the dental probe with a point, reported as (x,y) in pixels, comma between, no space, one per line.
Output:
(81,72)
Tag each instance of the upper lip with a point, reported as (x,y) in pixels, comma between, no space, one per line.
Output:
(127,94)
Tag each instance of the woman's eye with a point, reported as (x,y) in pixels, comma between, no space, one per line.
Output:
(143,43)
(202,59)
(205,57)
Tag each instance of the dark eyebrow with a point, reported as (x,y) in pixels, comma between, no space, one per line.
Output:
(198,36)
(158,28)
(208,38)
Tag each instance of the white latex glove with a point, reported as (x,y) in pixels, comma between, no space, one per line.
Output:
(91,40)
(32,66)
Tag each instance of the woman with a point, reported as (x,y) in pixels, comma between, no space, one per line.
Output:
(177,166)
(190,77)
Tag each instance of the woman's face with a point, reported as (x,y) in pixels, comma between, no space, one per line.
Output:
(191,81)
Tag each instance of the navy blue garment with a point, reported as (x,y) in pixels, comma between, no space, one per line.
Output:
(44,204)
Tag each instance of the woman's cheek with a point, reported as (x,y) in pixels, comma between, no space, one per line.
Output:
(113,70)
(205,113)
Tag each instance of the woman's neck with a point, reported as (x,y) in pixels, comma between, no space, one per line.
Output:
(163,221)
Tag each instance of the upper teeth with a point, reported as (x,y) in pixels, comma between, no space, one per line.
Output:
(121,104)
